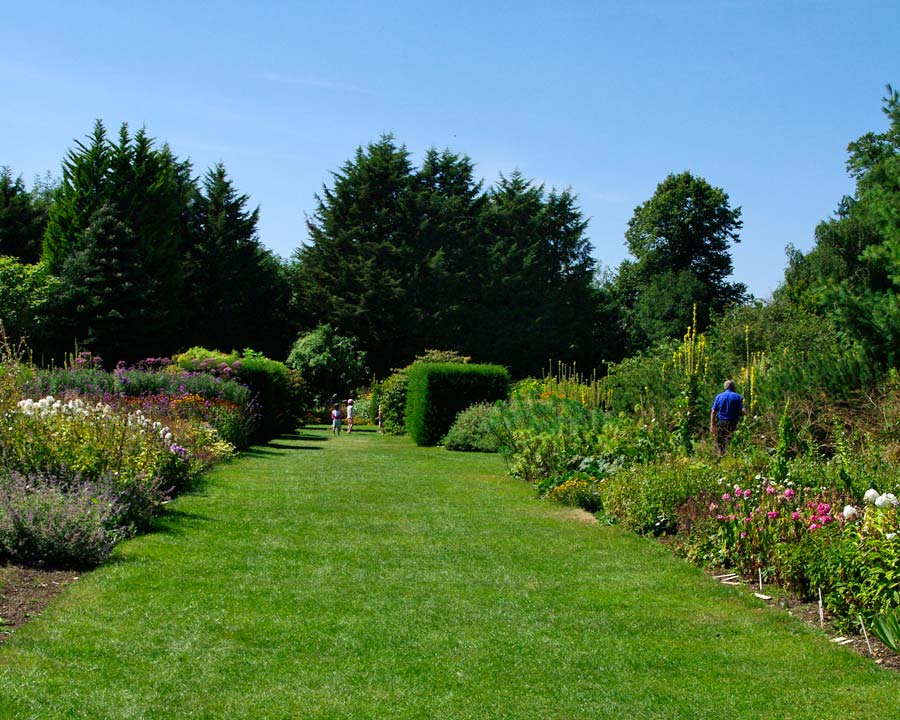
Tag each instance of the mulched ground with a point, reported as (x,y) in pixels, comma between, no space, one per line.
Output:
(25,592)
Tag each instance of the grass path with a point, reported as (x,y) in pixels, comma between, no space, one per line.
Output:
(362,577)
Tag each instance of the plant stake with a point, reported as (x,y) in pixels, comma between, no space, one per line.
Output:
(865,634)
(821,613)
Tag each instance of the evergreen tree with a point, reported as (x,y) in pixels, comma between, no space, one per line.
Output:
(355,273)
(538,300)
(101,304)
(149,192)
(235,292)
(23,216)
(407,259)
(852,274)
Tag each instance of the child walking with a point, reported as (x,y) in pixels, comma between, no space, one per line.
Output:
(336,420)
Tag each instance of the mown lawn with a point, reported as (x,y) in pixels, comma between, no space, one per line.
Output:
(362,577)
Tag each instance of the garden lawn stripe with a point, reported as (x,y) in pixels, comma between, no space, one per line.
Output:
(362,577)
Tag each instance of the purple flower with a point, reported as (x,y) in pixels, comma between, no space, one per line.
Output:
(789,493)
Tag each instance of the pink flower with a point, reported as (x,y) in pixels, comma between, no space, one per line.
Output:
(746,493)
(712,506)
(814,527)
(795,515)
(726,497)
(789,493)
(743,535)
(748,520)
(772,514)
(770,490)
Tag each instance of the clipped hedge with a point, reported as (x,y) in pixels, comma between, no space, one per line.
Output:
(438,392)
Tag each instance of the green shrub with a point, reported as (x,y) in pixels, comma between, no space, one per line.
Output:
(859,570)
(646,498)
(390,393)
(543,437)
(437,392)
(474,430)
(328,362)
(47,521)
(267,379)
(579,489)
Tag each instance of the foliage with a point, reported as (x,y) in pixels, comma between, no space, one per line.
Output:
(390,393)
(79,471)
(646,498)
(26,293)
(275,392)
(58,523)
(23,215)
(437,392)
(474,429)
(436,260)
(545,437)
(390,396)
(579,489)
(328,362)
(235,291)
(679,239)
(887,628)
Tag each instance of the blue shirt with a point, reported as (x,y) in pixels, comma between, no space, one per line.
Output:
(729,405)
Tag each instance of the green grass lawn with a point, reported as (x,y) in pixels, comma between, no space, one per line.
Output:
(362,577)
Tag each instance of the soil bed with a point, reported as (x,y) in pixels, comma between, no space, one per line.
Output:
(25,592)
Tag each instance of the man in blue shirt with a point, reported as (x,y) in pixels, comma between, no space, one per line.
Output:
(727,409)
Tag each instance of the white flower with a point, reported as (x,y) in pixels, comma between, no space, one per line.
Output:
(883,501)
(891,536)
(849,512)
(871,496)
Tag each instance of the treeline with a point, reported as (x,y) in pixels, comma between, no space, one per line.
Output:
(131,255)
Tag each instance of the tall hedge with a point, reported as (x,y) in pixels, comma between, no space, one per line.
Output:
(437,392)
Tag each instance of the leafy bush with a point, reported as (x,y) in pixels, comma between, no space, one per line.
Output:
(474,430)
(437,392)
(45,520)
(859,571)
(328,362)
(390,393)
(579,489)
(543,437)
(268,380)
(646,498)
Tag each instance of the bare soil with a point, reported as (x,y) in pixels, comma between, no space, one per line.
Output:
(25,592)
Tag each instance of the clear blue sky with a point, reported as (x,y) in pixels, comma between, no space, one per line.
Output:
(760,97)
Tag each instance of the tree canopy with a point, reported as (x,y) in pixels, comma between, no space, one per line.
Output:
(680,241)
(404,258)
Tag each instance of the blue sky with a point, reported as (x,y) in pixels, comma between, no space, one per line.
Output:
(758,97)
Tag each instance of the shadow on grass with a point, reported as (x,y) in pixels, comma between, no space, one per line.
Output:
(171,521)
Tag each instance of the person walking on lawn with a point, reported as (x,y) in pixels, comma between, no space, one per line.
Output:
(727,410)
(350,415)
